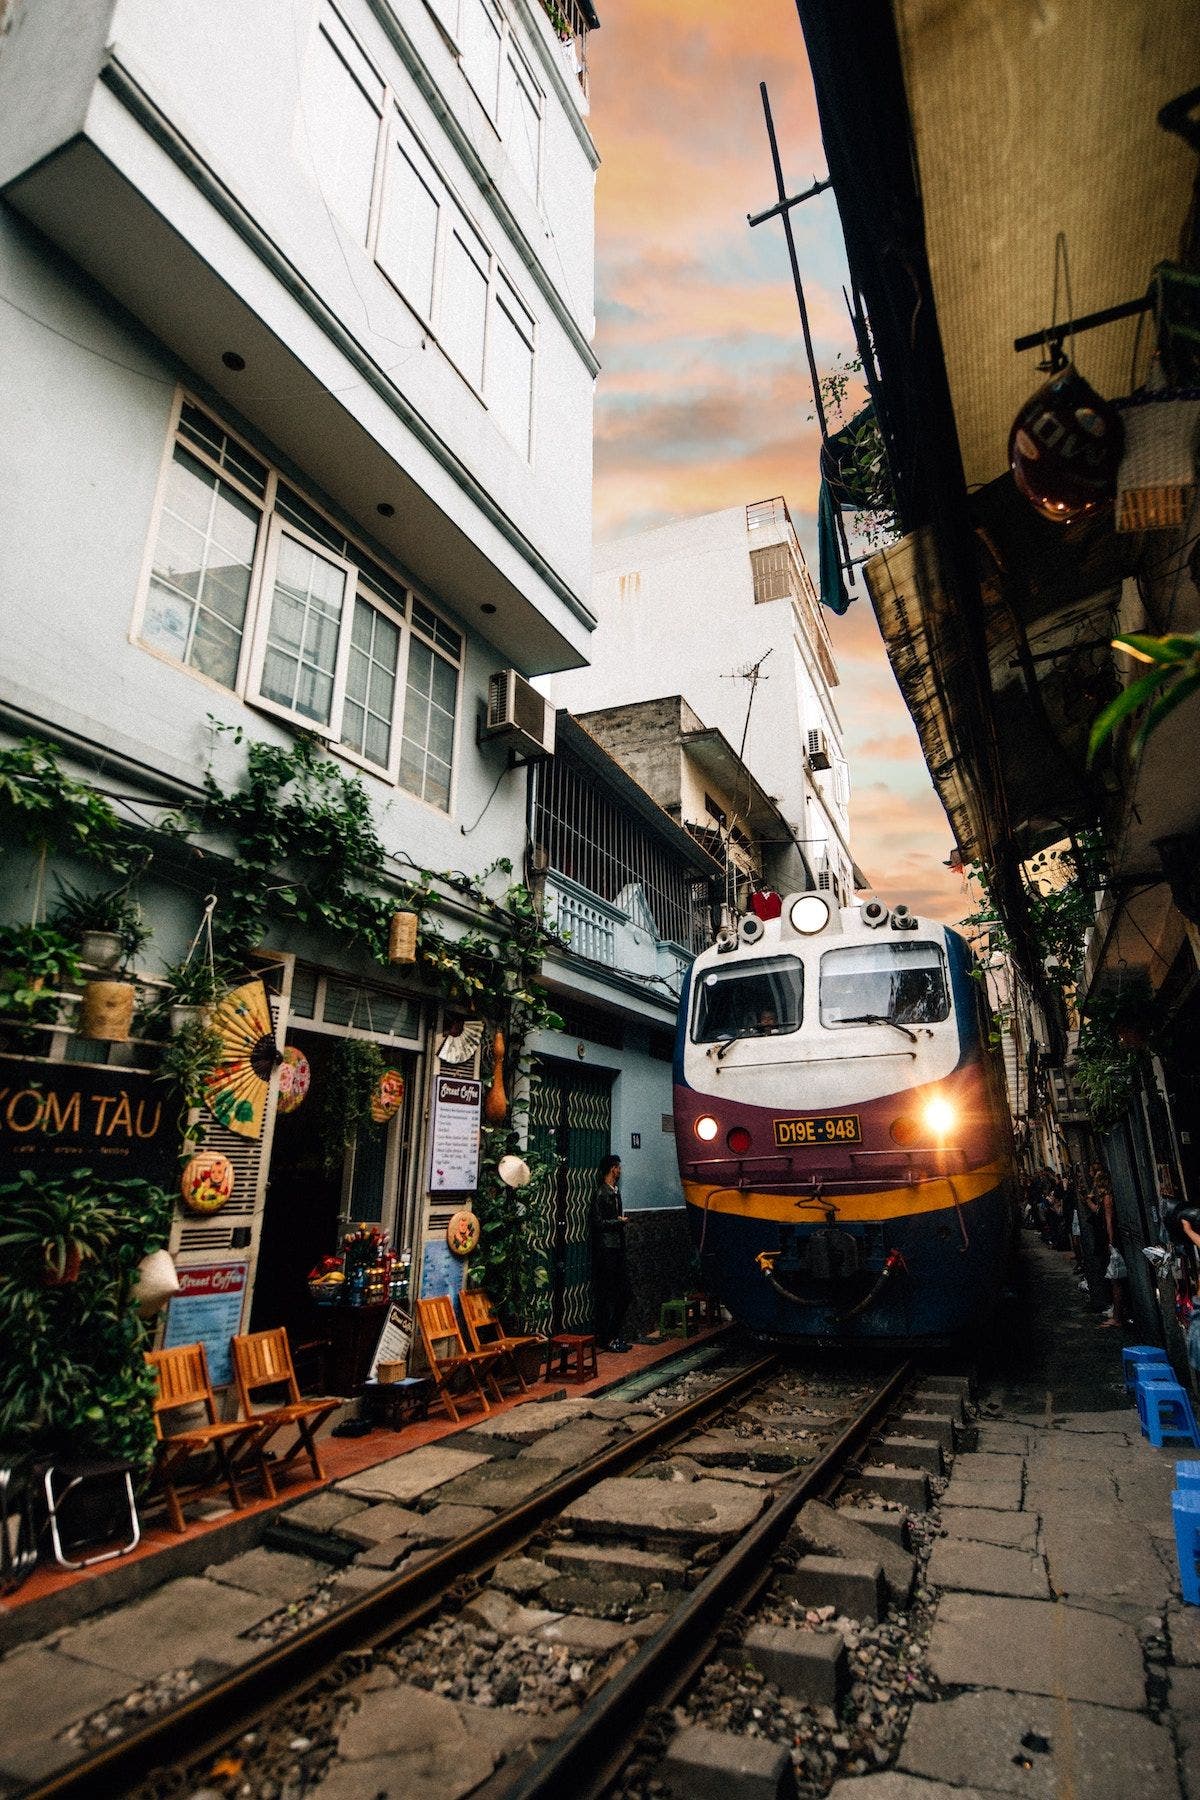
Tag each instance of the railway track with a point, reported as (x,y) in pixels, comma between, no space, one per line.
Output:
(695,1504)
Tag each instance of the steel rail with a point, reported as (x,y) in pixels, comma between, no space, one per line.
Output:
(589,1756)
(221,1712)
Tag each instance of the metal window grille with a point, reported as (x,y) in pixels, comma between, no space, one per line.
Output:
(589,838)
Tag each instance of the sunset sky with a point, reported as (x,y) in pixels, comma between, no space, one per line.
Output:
(703,400)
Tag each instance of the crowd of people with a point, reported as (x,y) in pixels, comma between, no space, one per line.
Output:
(1075,1215)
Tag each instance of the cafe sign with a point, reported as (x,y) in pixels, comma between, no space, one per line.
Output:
(57,1116)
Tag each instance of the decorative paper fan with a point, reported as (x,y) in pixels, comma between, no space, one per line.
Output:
(294,1077)
(236,1090)
(388,1097)
(461,1042)
(462,1232)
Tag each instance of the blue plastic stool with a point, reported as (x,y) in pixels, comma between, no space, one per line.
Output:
(1138,1356)
(1185,1515)
(1164,1410)
(1187,1474)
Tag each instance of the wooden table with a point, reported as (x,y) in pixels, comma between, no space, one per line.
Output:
(571,1348)
(396,1403)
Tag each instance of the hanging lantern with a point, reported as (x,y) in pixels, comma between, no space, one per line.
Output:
(388,1097)
(1065,447)
(206,1184)
(294,1078)
(462,1233)
(495,1106)
(402,938)
(106,1011)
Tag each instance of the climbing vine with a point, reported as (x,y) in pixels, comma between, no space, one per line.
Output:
(1060,886)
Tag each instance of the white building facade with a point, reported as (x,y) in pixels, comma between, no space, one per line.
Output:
(295,331)
(703,603)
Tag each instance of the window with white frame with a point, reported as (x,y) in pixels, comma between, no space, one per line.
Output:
(480,35)
(253,586)
(433,255)
(521,108)
(341,108)
(494,63)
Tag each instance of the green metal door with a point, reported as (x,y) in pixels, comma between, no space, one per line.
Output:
(570,1116)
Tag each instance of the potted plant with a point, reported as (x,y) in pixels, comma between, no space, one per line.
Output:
(193,988)
(61,1223)
(109,926)
(36,963)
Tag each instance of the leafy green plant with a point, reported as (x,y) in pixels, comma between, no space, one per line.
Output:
(40,804)
(72,1373)
(188,1059)
(854,462)
(35,961)
(193,983)
(346,1095)
(77,911)
(1174,674)
(508,1261)
(1060,888)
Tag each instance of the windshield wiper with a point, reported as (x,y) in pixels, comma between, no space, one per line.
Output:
(881,1019)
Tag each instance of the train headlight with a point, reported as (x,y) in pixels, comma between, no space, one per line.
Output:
(738,1140)
(940,1117)
(706,1128)
(809,914)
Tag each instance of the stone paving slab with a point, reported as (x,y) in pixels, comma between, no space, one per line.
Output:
(501,1484)
(375,1524)
(321,1512)
(1091,1556)
(418,1472)
(570,1444)
(825,1529)
(1185,1704)
(893,1784)
(44,1693)
(450,1521)
(600,1562)
(1017,1530)
(999,1435)
(1183,1628)
(1036,1647)
(410,1745)
(278,1574)
(726,1447)
(592,1637)
(984,1739)
(987,1569)
(531,1419)
(966,1489)
(183,1622)
(689,1511)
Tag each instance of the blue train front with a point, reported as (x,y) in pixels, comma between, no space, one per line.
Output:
(842,1133)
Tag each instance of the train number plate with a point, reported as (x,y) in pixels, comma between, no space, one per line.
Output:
(833,1128)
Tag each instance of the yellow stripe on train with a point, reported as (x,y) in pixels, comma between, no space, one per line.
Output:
(885,1203)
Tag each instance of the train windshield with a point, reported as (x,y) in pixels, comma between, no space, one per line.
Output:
(759,999)
(891,983)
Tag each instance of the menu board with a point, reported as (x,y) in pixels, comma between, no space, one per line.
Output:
(395,1340)
(454,1152)
(208,1310)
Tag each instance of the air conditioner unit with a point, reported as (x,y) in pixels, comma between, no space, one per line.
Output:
(518,715)
(818,750)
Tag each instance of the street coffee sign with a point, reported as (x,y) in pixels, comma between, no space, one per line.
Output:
(57,1116)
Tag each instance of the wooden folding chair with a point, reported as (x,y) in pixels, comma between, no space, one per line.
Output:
(447,1355)
(486,1332)
(263,1359)
(183,1381)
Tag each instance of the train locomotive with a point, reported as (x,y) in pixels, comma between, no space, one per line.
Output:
(842,1131)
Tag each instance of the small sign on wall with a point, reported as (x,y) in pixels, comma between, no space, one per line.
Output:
(454,1152)
(635,1140)
(208,1310)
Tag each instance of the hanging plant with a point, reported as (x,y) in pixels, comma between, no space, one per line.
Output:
(508,1261)
(109,925)
(36,961)
(348,1094)
(187,1063)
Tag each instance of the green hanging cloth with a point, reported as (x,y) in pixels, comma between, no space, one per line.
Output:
(833,586)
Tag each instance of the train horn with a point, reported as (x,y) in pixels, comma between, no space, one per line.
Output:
(750,929)
(874,913)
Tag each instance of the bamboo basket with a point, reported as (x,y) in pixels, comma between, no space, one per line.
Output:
(106,1011)
(387,1372)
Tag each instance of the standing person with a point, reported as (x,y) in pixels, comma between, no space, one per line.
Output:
(1115,1271)
(610,1278)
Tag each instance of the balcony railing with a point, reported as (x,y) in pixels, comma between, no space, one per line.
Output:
(590,925)
(572,21)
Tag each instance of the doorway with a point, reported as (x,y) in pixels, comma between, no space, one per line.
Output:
(570,1116)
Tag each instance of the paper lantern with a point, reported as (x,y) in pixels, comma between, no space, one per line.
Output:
(402,938)
(294,1078)
(106,1011)
(462,1233)
(206,1184)
(388,1097)
(1065,447)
